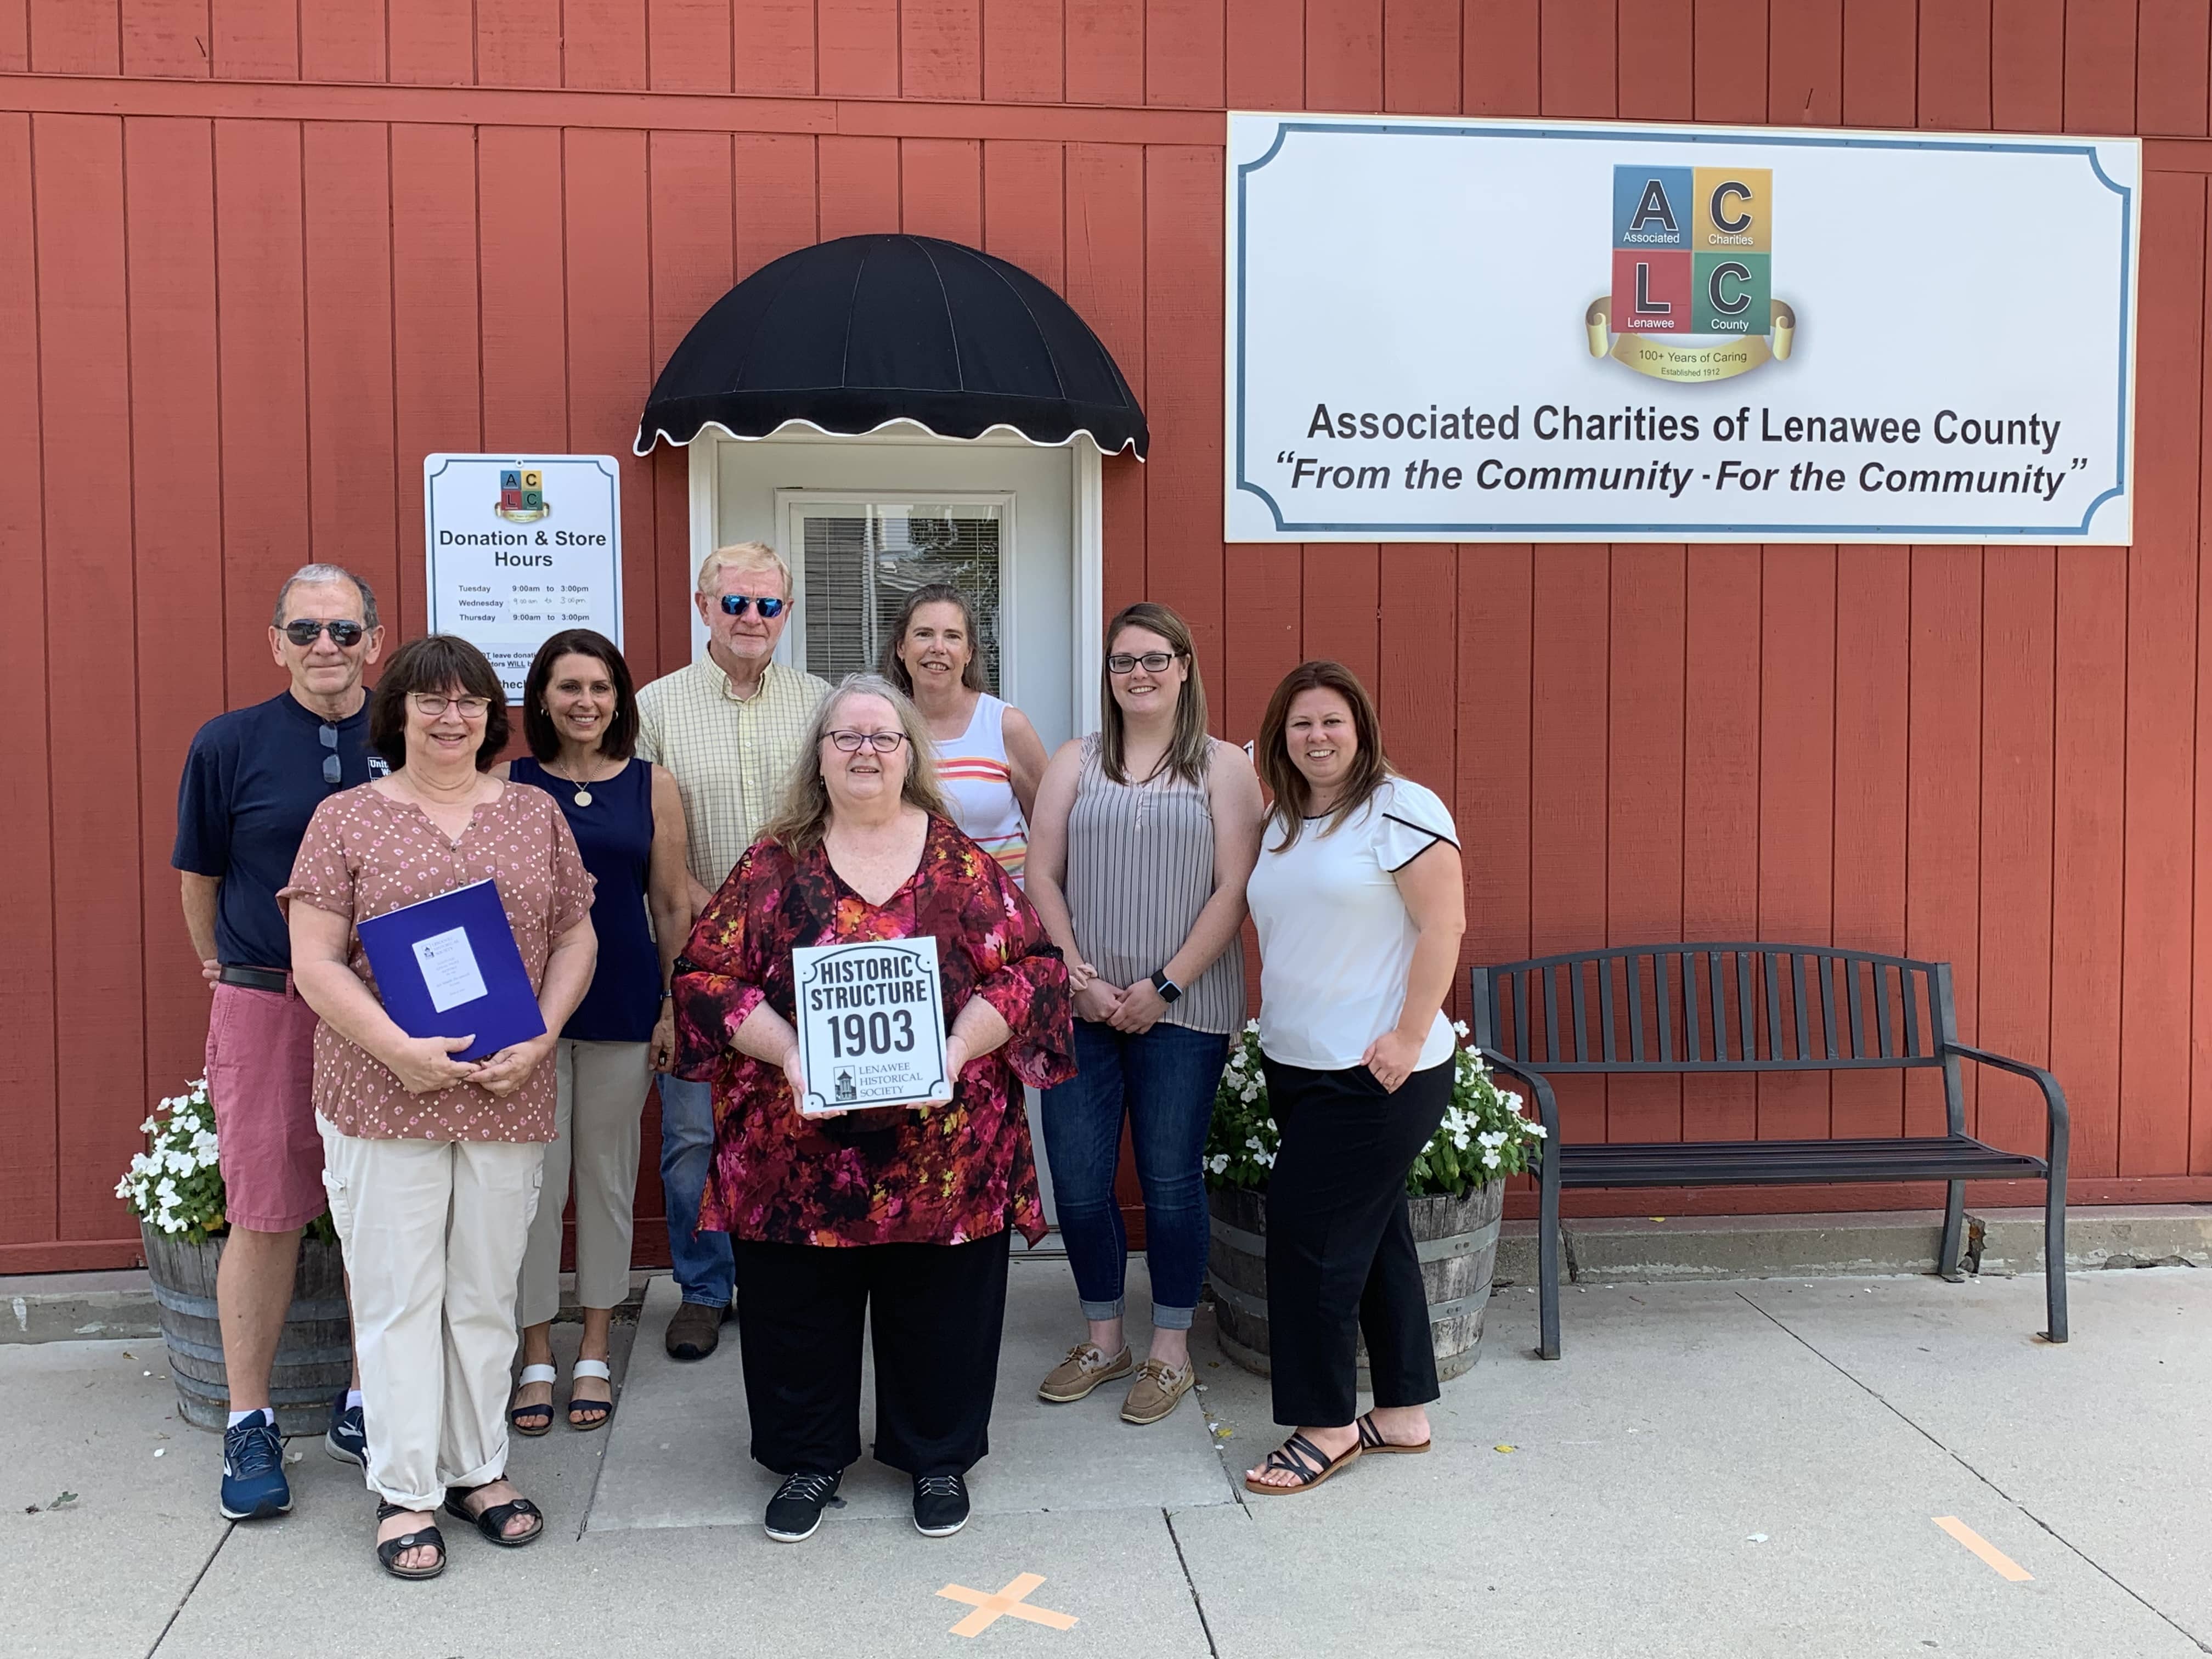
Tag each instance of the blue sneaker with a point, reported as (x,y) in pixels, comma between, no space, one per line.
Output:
(254,1483)
(347,1440)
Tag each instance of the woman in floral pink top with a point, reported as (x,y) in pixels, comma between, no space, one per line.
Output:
(906,1209)
(433,1164)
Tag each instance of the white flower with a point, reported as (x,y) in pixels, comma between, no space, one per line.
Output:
(1536,1129)
(1218,1163)
(1460,1026)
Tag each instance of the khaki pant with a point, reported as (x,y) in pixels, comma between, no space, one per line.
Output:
(433,1233)
(596,1129)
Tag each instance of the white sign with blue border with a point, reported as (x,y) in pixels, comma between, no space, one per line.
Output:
(1445,331)
(521,547)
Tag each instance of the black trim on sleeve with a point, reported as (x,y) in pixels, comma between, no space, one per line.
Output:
(1434,835)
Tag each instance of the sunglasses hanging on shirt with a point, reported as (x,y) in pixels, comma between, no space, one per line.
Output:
(333,774)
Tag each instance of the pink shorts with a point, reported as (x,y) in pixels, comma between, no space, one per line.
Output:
(261,1076)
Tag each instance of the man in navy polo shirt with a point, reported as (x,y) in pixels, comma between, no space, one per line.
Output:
(253,780)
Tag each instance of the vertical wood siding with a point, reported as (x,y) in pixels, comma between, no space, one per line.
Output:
(227,337)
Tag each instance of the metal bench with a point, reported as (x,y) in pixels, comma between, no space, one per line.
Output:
(1697,1010)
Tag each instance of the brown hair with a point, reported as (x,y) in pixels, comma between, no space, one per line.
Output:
(1369,767)
(804,814)
(619,740)
(1188,754)
(972,674)
(433,664)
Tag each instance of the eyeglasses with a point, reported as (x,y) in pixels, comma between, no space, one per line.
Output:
(431,706)
(735,605)
(333,774)
(1152,662)
(882,742)
(305,631)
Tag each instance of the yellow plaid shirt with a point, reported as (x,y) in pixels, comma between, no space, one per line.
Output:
(730,756)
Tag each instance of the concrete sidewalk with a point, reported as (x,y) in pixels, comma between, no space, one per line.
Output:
(1735,1468)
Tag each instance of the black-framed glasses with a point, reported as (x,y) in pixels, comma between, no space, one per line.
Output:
(305,630)
(1152,662)
(333,774)
(736,604)
(883,743)
(431,706)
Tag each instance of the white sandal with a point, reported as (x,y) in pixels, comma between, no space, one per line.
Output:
(605,1408)
(515,1414)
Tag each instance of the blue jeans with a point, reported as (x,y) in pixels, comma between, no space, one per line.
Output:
(1164,1081)
(704,1272)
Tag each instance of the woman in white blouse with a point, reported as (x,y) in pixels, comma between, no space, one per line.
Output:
(1358,900)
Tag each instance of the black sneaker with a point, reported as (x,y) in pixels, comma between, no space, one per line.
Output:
(346,1440)
(941,1504)
(796,1510)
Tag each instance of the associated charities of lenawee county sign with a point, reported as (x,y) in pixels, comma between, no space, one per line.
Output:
(1455,330)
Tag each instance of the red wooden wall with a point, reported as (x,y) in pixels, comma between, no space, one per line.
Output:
(257,257)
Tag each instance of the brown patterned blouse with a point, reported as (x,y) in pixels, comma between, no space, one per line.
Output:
(943,1176)
(365,853)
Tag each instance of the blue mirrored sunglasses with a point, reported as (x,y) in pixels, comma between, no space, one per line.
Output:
(735,605)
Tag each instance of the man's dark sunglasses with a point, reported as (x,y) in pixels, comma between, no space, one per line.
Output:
(734,604)
(343,634)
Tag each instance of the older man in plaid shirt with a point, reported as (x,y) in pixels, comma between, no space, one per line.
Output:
(729,729)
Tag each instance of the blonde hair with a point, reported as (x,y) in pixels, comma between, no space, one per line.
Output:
(744,556)
(804,814)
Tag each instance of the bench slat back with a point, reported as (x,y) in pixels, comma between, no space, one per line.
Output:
(1715,1007)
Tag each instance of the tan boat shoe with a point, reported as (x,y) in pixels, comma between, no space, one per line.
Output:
(1085,1367)
(1159,1388)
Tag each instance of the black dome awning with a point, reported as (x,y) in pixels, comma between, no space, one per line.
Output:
(852,335)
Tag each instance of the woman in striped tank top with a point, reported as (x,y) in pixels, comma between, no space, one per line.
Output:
(989,757)
(1144,834)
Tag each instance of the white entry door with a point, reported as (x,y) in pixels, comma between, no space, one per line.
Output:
(864,521)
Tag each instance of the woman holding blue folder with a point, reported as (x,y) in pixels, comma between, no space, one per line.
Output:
(433,1163)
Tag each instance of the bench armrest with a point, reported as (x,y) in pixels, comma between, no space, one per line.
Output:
(2054,1100)
(1548,1107)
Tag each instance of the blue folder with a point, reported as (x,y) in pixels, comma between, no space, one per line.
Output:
(505,1013)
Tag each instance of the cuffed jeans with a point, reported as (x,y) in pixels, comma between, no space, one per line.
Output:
(701,1260)
(1164,1081)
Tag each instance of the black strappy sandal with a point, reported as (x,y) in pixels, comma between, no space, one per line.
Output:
(492,1522)
(1371,1439)
(1299,1456)
(390,1549)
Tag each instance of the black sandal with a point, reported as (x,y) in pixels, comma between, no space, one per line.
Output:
(532,1421)
(492,1522)
(389,1550)
(1371,1439)
(1299,1456)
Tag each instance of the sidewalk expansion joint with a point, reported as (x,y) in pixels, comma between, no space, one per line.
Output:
(2068,1544)
(1197,1601)
(177,1612)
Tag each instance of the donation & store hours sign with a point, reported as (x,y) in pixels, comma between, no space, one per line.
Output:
(521,547)
(871,1024)
(1467,330)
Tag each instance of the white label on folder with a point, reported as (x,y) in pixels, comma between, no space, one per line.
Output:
(449,968)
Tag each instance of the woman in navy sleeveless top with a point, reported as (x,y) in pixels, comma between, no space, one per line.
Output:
(580,717)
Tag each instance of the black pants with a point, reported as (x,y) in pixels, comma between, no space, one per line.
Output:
(938,1312)
(1340,1256)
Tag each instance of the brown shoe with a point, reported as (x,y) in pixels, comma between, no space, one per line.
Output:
(1159,1388)
(1083,1369)
(696,1332)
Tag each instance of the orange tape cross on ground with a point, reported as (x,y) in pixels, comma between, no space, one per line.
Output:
(990,1608)
(2005,1565)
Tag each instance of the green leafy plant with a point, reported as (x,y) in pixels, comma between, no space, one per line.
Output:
(1484,1137)
(176,1185)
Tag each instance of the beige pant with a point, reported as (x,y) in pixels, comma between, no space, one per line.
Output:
(596,1129)
(433,1232)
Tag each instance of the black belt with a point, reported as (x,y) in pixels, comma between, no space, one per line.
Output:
(256,979)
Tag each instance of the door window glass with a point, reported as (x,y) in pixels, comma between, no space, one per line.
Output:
(861,563)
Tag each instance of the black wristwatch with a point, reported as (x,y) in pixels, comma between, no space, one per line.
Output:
(1169,991)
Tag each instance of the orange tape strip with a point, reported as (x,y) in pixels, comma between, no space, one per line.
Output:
(2005,1565)
(990,1608)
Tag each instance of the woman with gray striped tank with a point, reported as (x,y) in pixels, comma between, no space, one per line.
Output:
(1145,833)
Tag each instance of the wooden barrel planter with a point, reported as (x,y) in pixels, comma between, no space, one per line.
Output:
(314,1356)
(1457,1238)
